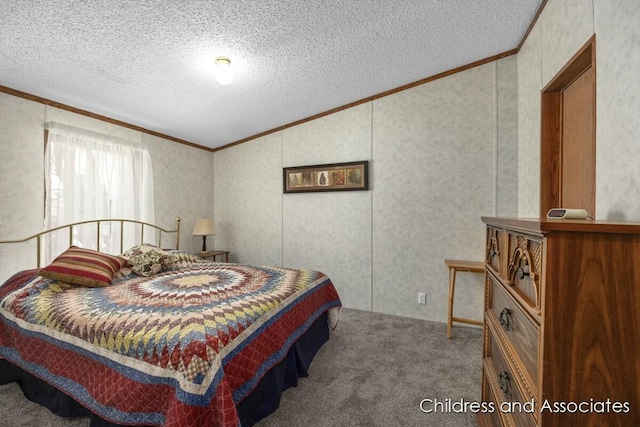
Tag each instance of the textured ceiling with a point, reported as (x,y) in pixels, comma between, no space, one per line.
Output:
(149,63)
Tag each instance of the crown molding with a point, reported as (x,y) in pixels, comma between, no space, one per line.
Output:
(86,113)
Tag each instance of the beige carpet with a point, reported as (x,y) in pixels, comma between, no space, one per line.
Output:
(374,371)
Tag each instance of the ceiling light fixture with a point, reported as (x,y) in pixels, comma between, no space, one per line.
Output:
(223,72)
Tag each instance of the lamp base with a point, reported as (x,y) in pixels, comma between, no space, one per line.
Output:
(204,243)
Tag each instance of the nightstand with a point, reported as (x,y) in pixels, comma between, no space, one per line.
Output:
(214,254)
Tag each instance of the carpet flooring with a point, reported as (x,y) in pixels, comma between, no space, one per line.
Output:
(374,371)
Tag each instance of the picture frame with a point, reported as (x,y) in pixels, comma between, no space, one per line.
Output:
(349,176)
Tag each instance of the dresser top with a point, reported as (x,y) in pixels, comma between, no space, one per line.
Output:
(544,225)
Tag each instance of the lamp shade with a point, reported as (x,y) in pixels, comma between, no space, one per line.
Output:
(204,227)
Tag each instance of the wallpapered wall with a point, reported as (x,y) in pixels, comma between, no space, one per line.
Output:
(441,155)
(183,177)
(562,29)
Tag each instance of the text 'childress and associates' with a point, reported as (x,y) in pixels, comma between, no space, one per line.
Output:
(429,406)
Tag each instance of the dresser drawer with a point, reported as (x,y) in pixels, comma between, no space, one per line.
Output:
(493,417)
(524,268)
(510,400)
(497,250)
(520,330)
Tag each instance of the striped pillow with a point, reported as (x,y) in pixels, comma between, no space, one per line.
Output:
(84,267)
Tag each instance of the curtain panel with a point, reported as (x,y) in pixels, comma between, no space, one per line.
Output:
(89,175)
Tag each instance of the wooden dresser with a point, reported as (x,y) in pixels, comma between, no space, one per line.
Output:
(562,323)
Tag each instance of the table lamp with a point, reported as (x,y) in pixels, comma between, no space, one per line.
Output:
(204,228)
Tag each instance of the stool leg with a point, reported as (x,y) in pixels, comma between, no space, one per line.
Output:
(452,286)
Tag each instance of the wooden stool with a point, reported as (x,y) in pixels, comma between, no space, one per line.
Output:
(455,266)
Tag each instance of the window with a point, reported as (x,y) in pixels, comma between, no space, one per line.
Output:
(89,176)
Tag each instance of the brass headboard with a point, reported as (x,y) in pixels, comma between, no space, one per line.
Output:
(98,222)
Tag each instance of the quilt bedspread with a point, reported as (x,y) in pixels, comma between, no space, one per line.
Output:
(179,348)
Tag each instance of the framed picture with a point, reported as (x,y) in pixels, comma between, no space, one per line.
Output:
(349,176)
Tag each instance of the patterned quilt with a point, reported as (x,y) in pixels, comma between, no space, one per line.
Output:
(180,348)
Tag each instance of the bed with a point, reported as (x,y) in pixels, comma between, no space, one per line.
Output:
(188,342)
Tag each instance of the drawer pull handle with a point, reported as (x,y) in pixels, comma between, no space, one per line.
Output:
(505,384)
(505,319)
(521,273)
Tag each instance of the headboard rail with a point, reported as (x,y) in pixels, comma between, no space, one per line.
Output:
(98,222)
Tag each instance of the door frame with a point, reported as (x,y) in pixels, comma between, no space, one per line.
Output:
(551,127)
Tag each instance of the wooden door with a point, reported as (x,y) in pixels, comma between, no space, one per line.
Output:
(578,144)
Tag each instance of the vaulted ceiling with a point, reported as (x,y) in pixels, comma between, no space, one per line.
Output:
(150,63)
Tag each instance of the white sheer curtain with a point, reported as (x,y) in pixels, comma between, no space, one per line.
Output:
(89,176)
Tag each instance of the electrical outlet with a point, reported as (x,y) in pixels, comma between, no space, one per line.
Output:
(422,298)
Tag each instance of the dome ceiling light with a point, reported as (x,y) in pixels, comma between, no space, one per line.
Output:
(223,71)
